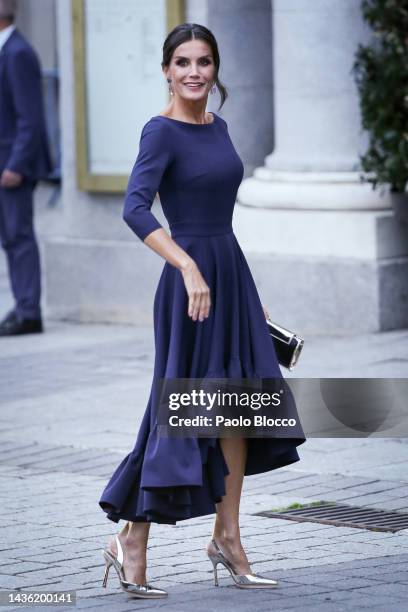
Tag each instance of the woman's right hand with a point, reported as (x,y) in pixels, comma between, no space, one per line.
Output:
(199,300)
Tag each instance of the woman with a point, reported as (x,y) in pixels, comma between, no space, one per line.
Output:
(208,322)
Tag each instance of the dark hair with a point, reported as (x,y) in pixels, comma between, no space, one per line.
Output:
(190,31)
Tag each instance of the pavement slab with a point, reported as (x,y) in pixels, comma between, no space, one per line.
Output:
(71,401)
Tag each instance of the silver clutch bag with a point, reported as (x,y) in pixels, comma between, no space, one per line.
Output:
(288,345)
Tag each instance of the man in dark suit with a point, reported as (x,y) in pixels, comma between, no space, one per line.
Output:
(24,159)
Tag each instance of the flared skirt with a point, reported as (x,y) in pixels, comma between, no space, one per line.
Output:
(168,479)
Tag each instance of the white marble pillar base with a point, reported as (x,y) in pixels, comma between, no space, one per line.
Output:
(324,271)
(311,190)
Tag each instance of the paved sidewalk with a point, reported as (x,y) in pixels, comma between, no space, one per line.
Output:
(71,402)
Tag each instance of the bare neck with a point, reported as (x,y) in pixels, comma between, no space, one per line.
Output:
(5,23)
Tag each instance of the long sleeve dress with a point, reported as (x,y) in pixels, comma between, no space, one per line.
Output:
(197,172)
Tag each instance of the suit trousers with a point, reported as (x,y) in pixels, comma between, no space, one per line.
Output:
(19,242)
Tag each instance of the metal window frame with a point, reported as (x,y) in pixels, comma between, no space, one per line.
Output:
(106,183)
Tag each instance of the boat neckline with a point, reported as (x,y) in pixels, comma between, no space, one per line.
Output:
(189,123)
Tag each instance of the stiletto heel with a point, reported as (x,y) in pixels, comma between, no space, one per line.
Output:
(105,576)
(145,591)
(243,581)
(215,572)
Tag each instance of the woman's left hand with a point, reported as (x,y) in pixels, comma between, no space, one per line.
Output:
(266,313)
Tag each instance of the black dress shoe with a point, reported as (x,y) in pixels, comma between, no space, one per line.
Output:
(11,325)
(10,316)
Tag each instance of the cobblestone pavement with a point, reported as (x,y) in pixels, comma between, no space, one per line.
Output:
(70,405)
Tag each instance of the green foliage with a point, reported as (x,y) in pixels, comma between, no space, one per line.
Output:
(298,505)
(381,74)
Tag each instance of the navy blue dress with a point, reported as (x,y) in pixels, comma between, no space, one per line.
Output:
(197,172)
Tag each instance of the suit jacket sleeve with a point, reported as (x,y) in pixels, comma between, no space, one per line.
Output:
(25,81)
(153,159)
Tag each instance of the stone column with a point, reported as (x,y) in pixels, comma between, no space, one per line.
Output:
(325,246)
(243,31)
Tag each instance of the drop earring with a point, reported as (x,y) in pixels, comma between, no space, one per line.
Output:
(170,89)
(213,89)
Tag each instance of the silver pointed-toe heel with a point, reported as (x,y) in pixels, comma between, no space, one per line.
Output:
(243,581)
(145,591)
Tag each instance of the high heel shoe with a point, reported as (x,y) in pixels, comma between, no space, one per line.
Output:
(243,581)
(145,591)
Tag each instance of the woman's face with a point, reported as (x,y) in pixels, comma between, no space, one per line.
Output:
(192,70)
